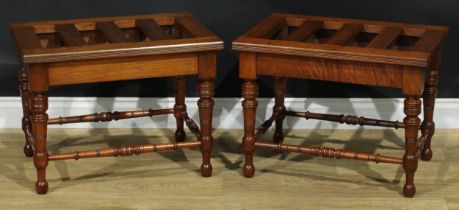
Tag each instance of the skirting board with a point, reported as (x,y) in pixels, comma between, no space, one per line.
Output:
(227,111)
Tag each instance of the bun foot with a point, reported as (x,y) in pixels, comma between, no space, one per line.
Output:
(409,190)
(206,170)
(278,137)
(28,151)
(248,170)
(426,154)
(41,187)
(180,136)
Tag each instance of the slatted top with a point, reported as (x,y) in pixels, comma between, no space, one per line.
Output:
(63,40)
(344,39)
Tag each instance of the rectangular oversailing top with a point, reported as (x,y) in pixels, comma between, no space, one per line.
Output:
(80,39)
(344,39)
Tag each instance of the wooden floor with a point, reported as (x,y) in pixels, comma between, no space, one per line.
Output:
(171,180)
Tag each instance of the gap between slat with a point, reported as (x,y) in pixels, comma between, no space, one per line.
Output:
(151,29)
(305,30)
(268,28)
(111,32)
(190,27)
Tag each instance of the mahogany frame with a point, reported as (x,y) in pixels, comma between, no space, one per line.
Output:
(397,55)
(63,52)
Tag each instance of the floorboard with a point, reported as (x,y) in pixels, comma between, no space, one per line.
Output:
(171,180)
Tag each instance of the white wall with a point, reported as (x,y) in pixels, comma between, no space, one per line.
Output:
(227,111)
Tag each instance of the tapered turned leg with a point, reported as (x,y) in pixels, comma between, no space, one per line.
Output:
(24,91)
(249,105)
(206,104)
(279,108)
(179,107)
(428,125)
(410,159)
(39,120)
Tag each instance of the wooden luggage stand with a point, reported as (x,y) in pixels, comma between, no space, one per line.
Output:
(63,52)
(353,51)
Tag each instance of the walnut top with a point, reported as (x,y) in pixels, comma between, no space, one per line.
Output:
(345,39)
(79,39)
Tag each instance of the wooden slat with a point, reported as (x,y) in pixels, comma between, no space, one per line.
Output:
(96,32)
(192,27)
(429,41)
(88,24)
(385,38)
(111,32)
(267,28)
(26,38)
(345,34)
(370,26)
(304,31)
(70,35)
(151,29)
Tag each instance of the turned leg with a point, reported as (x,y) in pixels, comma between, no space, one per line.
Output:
(279,108)
(428,125)
(39,118)
(412,122)
(206,104)
(24,91)
(179,107)
(249,105)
